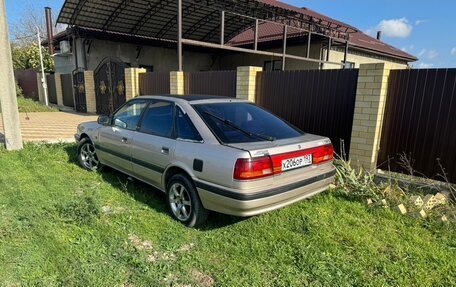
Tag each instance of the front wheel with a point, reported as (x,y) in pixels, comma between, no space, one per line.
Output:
(183,201)
(87,155)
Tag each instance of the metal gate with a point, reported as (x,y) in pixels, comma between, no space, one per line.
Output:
(67,90)
(320,102)
(109,85)
(79,91)
(52,94)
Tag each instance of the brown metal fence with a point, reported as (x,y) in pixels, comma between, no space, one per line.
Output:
(154,83)
(52,94)
(420,122)
(27,80)
(316,101)
(217,83)
(67,90)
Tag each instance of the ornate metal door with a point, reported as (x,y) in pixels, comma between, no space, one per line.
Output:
(109,85)
(79,91)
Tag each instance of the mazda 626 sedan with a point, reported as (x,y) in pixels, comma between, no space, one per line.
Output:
(209,153)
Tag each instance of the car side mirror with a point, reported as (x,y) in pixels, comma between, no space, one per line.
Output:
(104,120)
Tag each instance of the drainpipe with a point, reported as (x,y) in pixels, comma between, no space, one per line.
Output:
(49,30)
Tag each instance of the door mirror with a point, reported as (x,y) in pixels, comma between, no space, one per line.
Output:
(104,120)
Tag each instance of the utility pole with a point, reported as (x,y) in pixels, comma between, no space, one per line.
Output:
(43,75)
(8,100)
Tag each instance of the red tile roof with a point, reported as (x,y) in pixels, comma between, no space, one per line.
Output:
(270,31)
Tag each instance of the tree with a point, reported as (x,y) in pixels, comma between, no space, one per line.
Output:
(28,57)
(24,43)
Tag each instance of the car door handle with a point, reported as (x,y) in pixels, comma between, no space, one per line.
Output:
(124,140)
(165,150)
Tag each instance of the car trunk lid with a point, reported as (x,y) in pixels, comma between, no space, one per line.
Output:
(288,155)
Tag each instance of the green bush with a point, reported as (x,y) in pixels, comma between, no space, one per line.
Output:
(19,92)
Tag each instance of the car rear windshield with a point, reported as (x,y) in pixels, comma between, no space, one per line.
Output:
(237,122)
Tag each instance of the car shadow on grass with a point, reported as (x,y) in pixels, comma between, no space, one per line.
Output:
(150,195)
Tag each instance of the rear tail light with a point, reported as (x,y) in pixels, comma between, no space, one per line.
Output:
(252,168)
(323,154)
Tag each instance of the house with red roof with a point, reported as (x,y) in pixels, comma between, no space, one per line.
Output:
(85,47)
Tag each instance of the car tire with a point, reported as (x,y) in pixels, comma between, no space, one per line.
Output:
(183,201)
(87,155)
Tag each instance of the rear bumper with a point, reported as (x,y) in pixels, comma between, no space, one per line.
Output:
(77,137)
(248,204)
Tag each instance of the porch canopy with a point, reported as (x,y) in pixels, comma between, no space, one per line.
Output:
(210,23)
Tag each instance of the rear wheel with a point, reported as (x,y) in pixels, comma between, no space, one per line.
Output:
(184,202)
(87,155)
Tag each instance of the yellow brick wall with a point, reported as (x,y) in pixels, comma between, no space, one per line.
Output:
(246,82)
(359,58)
(89,83)
(369,110)
(176,83)
(132,82)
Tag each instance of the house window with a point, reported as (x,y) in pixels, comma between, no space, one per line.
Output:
(349,65)
(275,65)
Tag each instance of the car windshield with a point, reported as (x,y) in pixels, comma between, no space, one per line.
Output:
(244,122)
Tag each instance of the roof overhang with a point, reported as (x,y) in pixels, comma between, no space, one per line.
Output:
(200,19)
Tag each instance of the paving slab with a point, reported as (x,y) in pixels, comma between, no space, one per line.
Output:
(49,126)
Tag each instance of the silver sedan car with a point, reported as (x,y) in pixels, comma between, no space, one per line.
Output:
(209,153)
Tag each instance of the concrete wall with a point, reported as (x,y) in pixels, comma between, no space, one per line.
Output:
(233,60)
(165,59)
(64,64)
(162,59)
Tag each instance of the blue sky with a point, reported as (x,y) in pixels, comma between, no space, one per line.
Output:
(421,27)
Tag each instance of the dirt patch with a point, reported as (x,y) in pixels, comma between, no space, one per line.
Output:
(139,244)
(202,279)
(161,256)
(186,247)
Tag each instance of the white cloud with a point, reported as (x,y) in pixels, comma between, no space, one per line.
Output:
(425,65)
(419,22)
(453,51)
(422,52)
(432,54)
(408,48)
(395,28)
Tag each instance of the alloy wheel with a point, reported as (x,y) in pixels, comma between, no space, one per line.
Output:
(180,202)
(89,157)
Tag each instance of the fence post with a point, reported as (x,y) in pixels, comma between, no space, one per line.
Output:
(40,86)
(176,83)
(89,82)
(132,82)
(246,82)
(369,111)
(58,89)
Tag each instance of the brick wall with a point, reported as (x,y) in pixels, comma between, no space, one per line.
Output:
(176,83)
(369,110)
(89,83)
(132,82)
(246,82)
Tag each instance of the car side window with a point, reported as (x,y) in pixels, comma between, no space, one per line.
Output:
(158,119)
(184,127)
(129,115)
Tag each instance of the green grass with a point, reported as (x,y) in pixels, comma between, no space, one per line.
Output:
(31,106)
(63,226)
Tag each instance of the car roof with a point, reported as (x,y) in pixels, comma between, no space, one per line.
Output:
(193,99)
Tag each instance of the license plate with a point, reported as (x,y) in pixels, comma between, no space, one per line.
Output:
(296,162)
